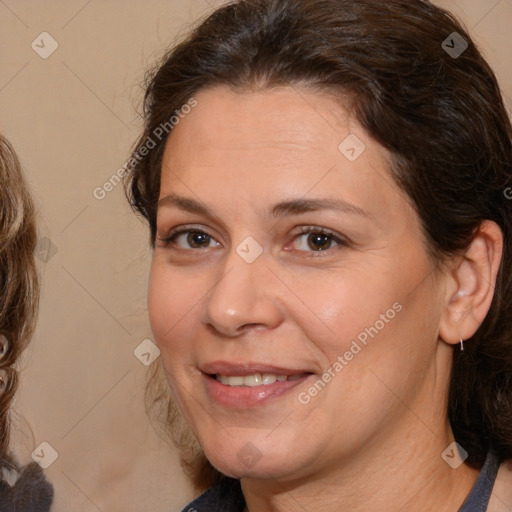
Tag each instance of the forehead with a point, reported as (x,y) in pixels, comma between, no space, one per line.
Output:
(272,145)
(299,126)
(280,119)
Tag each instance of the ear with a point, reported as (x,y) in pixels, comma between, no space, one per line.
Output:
(471,283)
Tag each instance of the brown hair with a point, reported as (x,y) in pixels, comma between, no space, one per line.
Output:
(19,284)
(440,115)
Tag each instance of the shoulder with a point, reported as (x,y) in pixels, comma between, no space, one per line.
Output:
(501,497)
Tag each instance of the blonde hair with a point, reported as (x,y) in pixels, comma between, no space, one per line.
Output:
(19,282)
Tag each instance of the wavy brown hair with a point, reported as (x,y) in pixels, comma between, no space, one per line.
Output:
(441,116)
(19,283)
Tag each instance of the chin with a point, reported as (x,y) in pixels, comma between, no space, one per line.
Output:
(250,459)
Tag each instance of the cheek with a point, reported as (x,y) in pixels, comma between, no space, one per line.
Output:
(158,301)
(171,306)
(344,306)
(373,316)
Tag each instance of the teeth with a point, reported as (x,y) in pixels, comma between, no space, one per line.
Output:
(223,379)
(236,381)
(253,380)
(268,378)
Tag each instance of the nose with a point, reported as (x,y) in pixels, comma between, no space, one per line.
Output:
(245,297)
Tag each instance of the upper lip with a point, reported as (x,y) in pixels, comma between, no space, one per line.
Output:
(247,368)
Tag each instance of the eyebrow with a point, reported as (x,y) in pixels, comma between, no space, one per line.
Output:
(282,209)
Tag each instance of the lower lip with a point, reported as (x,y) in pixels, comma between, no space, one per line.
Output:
(244,397)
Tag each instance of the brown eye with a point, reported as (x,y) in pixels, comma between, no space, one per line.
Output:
(317,240)
(189,239)
(198,240)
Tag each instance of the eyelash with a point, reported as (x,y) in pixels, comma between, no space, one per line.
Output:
(170,237)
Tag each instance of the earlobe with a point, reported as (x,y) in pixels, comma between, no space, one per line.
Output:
(472,281)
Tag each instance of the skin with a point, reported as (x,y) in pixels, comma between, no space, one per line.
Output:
(381,422)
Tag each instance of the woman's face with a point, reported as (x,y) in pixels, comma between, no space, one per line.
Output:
(285,248)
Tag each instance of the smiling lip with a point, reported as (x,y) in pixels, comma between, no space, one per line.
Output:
(243,369)
(248,397)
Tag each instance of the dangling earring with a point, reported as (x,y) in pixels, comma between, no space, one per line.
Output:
(461,345)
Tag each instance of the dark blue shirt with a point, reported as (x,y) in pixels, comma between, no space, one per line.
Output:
(228,497)
(478,498)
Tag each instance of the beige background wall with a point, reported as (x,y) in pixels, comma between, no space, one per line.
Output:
(72,118)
